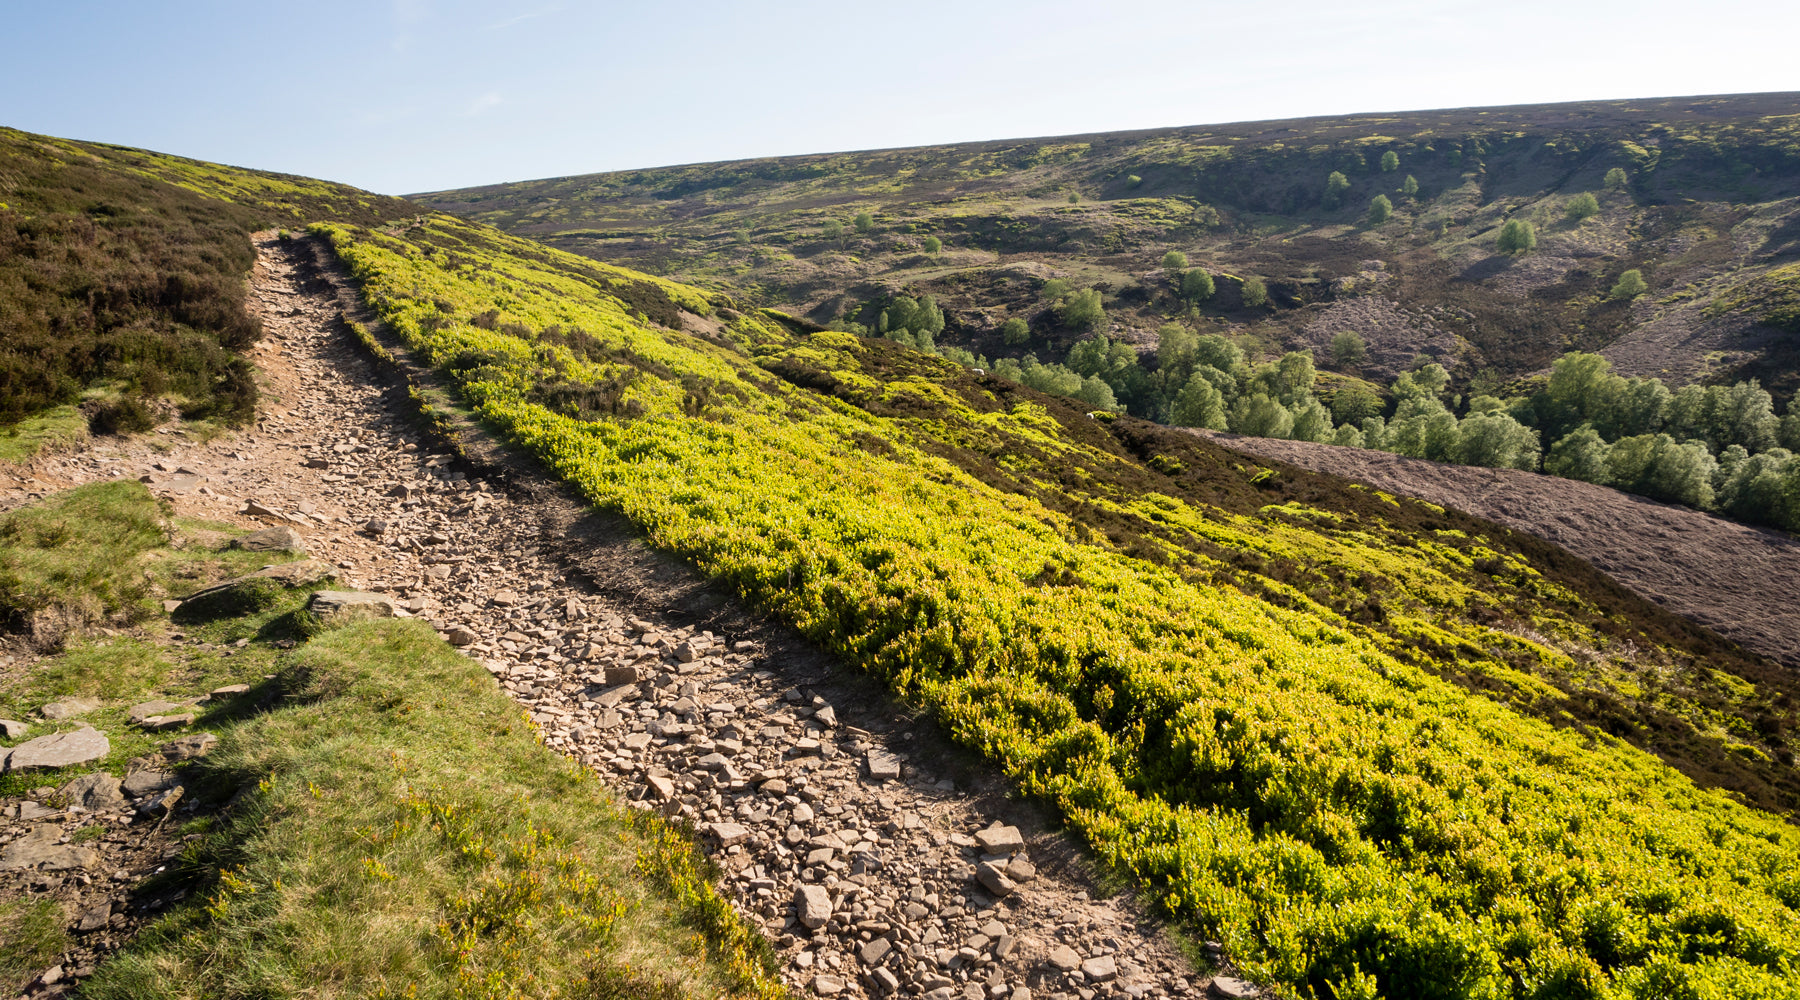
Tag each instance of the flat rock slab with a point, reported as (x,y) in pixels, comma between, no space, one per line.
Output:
(68,708)
(136,714)
(300,573)
(350,605)
(883,766)
(12,730)
(94,792)
(59,750)
(1233,989)
(189,747)
(39,849)
(1065,958)
(141,783)
(277,539)
(1000,839)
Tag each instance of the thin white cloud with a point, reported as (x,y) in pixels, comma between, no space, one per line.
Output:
(486,102)
(509,22)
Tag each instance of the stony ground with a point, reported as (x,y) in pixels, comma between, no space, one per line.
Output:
(878,859)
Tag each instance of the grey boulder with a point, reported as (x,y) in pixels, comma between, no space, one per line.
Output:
(58,750)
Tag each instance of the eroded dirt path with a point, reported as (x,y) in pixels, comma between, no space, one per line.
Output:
(877,858)
(1737,580)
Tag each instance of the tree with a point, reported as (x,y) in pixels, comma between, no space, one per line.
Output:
(1174,262)
(1410,186)
(1616,179)
(1354,403)
(1256,294)
(1335,186)
(1390,162)
(1133,181)
(1259,416)
(864,222)
(1497,441)
(1348,349)
(1197,285)
(1175,349)
(834,229)
(1074,196)
(1380,209)
(1199,404)
(1582,207)
(1630,286)
(1084,310)
(1580,454)
(933,245)
(1517,237)
(1312,422)
(1056,288)
(1014,332)
(1216,351)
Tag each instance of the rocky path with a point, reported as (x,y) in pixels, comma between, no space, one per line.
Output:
(878,859)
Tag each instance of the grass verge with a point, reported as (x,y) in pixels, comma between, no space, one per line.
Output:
(377,818)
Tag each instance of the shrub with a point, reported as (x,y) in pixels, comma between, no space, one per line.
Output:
(1616,179)
(833,229)
(1056,288)
(1133,181)
(1197,285)
(933,245)
(1582,207)
(1256,294)
(1083,310)
(1335,186)
(1629,286)
(1410,186)
(1517,237)
(1014,332)
(1174,262)
(1380,209)
(1390,162)
(1354,403)
(864,223)
(1074,196)
(1348,349)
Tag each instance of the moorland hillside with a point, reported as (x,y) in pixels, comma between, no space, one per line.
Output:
(1386,225)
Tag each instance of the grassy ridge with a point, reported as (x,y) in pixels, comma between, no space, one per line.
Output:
(391,825)
(1353,819)
(122,283)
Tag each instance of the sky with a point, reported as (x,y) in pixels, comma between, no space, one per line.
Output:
(406,96)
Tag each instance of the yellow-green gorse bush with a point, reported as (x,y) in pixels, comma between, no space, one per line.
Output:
(1272,774)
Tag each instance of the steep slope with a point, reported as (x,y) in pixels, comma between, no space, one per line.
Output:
(1368,742)
(1704,205)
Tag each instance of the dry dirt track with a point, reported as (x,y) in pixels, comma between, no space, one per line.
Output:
(1742,582)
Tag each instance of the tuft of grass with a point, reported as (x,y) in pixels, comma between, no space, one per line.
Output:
(55,429)
(31,939)
(78,558)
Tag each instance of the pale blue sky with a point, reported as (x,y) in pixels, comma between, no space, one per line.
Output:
(413,95)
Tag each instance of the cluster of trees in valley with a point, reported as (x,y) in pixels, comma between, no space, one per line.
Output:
(1721,447)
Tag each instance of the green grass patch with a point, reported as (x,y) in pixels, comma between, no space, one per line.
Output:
(78,558)
(32,939)
(397,827)
(402,832)
(55,429)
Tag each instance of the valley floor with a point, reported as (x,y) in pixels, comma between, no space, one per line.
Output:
(813,791)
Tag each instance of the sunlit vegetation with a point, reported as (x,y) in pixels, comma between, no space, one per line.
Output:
(124,271)
(1357,738)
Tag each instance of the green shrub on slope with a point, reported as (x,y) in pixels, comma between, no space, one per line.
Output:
(1311,787)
